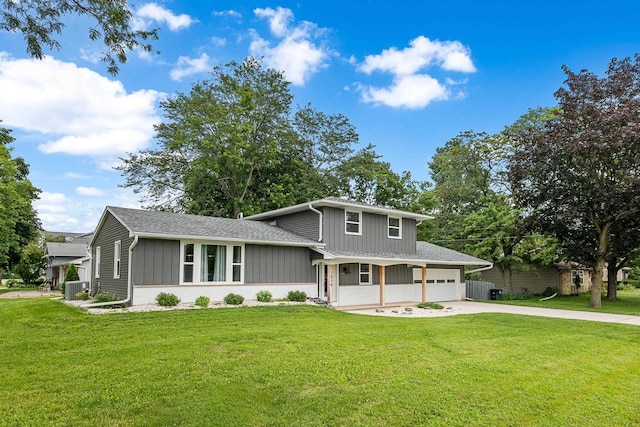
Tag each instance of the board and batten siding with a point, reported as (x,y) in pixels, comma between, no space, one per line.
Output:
(349,274)
(374,236)
(305,223)
(156,262)
(278,264)
(110,231)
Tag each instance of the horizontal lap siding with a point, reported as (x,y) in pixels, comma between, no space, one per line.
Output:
(111,231)
(536,280)
(156,262)
(374,236)
(278,264)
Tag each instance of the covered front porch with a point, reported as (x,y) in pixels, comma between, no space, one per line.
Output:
(351,283)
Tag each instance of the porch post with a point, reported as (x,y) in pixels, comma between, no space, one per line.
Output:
(330,282)
(424,284)
(382,280)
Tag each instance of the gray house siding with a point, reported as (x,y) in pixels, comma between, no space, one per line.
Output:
(278,264)
(349,274)
(374,233)
(156,262)
(110,232)
(305,223)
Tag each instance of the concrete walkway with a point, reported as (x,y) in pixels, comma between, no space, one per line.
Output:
(472,307)
(479,307)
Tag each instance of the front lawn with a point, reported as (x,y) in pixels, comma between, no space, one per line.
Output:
(303,365)
(628,302)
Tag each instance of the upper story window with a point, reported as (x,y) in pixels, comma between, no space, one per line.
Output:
(98,255)
(353,222)
(117,249)
(394,227)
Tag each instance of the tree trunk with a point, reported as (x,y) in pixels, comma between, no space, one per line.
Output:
(612,279)
(596,284)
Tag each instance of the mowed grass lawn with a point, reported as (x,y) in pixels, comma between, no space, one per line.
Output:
(628,302)
(304,365)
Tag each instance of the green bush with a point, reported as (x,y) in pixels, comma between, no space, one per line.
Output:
(12,283)
(431,305)
(39,281)
(72,274)
(548,292)
(165,299)
(82,295)
(234,299)
(203,301)
(264,296)
(107,297)
(297,296)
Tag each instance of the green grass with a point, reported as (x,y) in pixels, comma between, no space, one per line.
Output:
(311,366)
(628,302)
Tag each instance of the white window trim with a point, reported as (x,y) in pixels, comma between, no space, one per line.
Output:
(359,233)
(98,261)
(117,258)
(399,227)
(360,273)
(197,262)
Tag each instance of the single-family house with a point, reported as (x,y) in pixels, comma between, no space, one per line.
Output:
(343,252)
(59,256)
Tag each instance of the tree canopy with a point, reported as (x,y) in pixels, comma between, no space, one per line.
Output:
(40,21)
(233,145)
(18,221)
(578,176)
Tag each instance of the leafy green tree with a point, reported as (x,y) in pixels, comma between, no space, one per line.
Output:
(578,176)
(31,265)
(40,21)
(18,221)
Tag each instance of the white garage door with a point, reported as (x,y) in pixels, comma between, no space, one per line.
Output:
(442,284)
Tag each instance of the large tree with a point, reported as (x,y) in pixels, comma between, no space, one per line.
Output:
(232,145)
(18,221)
(579,175)
(41,21)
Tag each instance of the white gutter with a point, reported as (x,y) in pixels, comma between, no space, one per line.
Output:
(320,221)
(477,270)
(129,281)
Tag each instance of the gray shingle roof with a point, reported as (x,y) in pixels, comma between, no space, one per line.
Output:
(76,250)
(180,225)
(425,252)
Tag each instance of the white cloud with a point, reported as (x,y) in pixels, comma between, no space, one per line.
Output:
(411,86)
(296,53)
(149,13)
(76,109)
(89,191)
(219,41)
(189,66)
(230,12)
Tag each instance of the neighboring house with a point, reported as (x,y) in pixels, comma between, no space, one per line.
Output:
(59,256)
(560,276)
(343,252)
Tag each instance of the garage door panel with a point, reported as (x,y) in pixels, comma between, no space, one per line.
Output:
(442,284)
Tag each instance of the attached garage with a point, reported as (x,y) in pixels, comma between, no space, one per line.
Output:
(443,284)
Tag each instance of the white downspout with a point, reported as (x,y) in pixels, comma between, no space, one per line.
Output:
(129,281)
(477,270)
(320,219)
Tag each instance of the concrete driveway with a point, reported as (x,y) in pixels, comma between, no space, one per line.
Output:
(473,307)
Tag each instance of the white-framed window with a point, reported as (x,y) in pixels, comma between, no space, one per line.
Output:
(98,254)
(365,274)
(353,222)
(577,278)
(117,249)
(205,262)
(394,227)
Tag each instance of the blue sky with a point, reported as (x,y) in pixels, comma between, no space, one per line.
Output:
(409,75)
